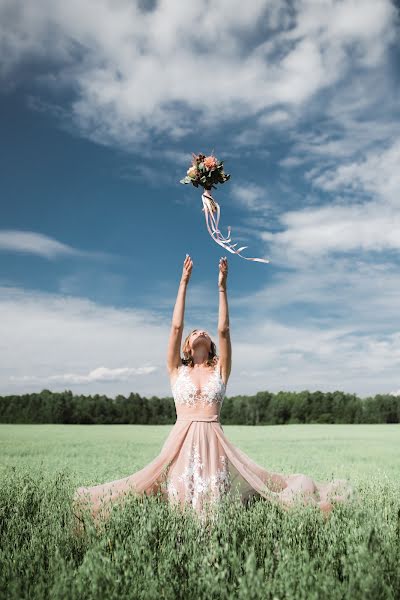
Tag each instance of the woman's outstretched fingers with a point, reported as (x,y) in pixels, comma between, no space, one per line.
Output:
(223,262)
(187,268)
(223,271)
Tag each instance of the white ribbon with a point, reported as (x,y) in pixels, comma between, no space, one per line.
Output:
(209,207)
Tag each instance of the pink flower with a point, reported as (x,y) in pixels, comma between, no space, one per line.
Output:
(210,162)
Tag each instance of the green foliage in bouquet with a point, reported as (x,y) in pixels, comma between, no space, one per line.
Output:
(205,171)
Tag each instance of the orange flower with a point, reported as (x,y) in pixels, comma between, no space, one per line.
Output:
(210,162)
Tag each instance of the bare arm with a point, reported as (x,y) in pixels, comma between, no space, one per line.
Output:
(225,347)
(175,336)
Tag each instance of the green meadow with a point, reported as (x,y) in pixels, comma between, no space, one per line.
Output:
(148,550)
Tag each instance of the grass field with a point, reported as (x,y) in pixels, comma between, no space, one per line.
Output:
(147,550)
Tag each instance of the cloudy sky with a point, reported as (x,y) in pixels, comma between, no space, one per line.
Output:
(102,103)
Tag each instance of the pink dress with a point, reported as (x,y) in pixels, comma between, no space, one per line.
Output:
(197,464)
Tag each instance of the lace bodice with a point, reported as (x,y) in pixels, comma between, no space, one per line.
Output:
(185,392)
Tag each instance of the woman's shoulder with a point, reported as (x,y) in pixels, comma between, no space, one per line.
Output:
(216,361)
(174,373)
(174,370)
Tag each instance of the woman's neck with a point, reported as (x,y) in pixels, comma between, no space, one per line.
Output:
(200,359)
(198,365)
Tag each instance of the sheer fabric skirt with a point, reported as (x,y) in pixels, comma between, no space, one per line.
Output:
(198,465)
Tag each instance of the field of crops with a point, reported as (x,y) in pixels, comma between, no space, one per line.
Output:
(148,550)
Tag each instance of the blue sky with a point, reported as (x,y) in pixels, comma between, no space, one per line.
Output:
(101,105)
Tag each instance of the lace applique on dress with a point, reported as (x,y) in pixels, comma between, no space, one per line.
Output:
(185,392)
(171,489)
(196,486)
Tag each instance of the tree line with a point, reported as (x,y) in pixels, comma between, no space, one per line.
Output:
(264,408)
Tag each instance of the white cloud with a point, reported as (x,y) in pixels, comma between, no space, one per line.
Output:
(291,161)
(336,26)
(339,316)
(366,217)
(136,72)
(59,342)
(42,245)
(312,357)
(62,340)
(275,117)
(344,125)
(250,195)
(310,233)
(101,374)
(376,173)
(361,295)
(34,243)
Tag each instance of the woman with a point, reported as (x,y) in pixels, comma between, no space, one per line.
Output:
(197,464)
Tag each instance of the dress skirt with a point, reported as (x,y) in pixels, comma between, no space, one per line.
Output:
(198,465)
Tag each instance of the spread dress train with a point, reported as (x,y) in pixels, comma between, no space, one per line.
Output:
(197,464)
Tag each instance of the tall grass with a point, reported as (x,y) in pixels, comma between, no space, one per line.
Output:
(148,549)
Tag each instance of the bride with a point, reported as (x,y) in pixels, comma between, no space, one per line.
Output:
(197,464)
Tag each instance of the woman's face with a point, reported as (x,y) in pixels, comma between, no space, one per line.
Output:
(198,337)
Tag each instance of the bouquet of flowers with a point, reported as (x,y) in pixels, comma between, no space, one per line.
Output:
(207,171)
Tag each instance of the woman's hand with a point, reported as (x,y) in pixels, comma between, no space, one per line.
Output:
(187,269)
(223,272)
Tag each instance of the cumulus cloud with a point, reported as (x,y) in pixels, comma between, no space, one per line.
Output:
(30,242)
(338,315)
(62,340)
(376,173)
(58,342)
(310,233)
(275,117)
(365,216)
(99,375)
(135,71)
(250,195)
(360,294)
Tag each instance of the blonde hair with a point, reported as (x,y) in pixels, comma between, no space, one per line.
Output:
(188,358)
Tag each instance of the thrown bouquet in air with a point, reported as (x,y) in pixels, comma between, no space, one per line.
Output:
(207,171)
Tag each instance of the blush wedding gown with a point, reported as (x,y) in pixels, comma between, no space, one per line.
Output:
(197,464)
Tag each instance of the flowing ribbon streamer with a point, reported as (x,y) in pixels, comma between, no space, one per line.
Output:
(209,207)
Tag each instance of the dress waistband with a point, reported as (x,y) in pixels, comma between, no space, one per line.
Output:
(210,418)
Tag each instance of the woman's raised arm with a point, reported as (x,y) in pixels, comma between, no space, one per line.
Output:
(225,347)
(175,336)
